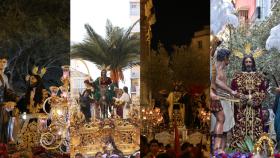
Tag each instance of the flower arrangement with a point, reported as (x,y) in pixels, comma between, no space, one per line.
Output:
(119,102)
(234,155)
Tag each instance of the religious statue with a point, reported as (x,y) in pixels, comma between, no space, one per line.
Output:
(88,98)
(219,106)
(30,107)
(7,104)
(106,90)
(252,86)
(125,101)
(176,108)
(36,93)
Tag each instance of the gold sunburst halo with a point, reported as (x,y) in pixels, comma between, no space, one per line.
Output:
(238,54)
(258,53)
(248,48)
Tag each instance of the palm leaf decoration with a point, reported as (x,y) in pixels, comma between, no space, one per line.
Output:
(247,145)
(120,49)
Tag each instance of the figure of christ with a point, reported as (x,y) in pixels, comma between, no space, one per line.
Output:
(174,106)
(32,104)
(106,95)
(248,115)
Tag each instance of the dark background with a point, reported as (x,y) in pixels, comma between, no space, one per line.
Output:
(177,20)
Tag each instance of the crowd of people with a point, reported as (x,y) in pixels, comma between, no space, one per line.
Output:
(156,149)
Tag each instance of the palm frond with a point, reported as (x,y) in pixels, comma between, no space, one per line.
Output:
(95,38)
(119,49)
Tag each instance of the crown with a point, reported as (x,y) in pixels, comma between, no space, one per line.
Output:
(38,72)
(248,51)
(105,67)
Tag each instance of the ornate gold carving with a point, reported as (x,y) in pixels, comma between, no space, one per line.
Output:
(258,144)
(91,138)
(28,136)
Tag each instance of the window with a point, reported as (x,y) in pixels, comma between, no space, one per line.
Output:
(243,14)
(134,84)
(134,8)
(199,44)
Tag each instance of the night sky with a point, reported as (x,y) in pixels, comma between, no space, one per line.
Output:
(177,20)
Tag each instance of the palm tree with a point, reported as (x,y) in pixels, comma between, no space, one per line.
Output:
(119,49)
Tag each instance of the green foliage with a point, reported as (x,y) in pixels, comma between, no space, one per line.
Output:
(247,145)
(119,49)
(35,33)
(256,35)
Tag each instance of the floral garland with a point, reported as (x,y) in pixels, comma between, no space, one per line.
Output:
(239,155)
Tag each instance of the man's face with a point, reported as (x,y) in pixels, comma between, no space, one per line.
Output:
(103,73)
(33,81)
(87,85)
(154,148)
(3,64)
(248,64)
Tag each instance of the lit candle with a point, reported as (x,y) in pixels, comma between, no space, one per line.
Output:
(66,72)
(59,132)
(64,91)
(59,112)
(24,115)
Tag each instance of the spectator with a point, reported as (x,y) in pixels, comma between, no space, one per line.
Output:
(143,146)
(79,155)
(154,149)
(98,155)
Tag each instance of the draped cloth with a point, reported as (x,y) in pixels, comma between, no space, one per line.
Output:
(229,116)
(277,118)
(248,113)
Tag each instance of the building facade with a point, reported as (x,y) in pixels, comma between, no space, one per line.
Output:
(254,11)
(135,71)
(77,82)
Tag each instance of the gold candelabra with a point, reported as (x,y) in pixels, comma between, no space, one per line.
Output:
(205,118)
(151,119)
(57,134)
